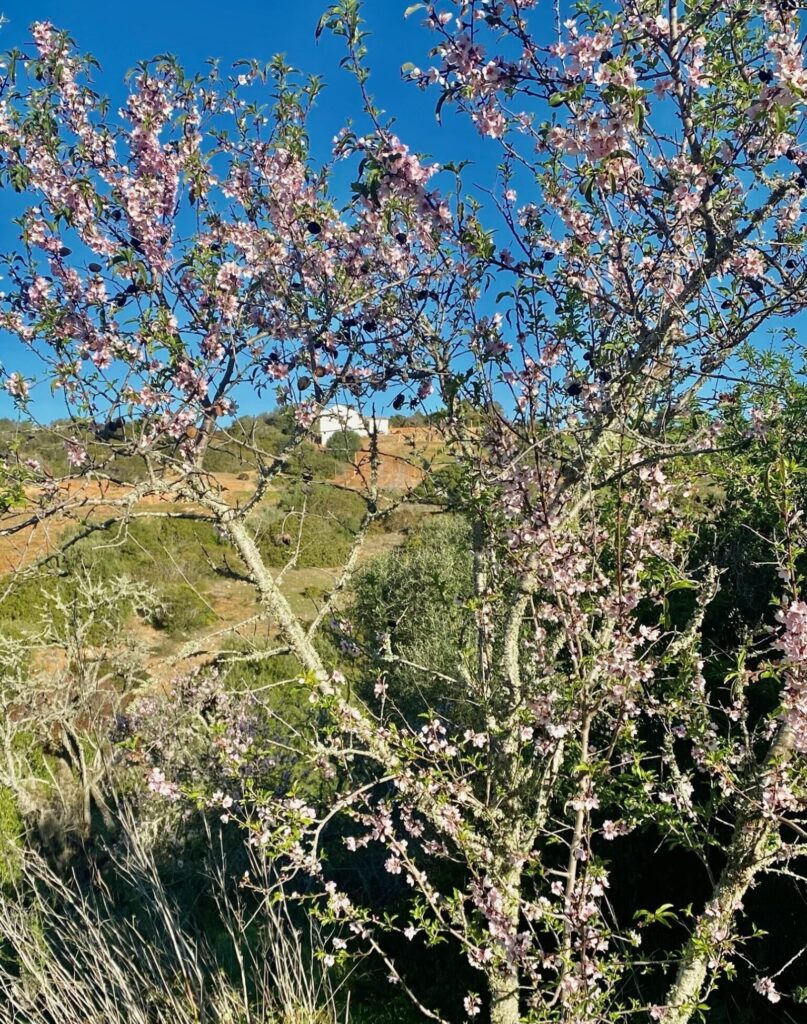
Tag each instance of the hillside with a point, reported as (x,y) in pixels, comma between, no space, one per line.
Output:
(202,591)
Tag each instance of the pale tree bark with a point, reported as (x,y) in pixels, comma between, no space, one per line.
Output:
(503,987)
(747,854)
(272,598)
(754,841)
(503,981)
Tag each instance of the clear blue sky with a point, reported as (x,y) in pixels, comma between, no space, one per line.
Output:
(119,34)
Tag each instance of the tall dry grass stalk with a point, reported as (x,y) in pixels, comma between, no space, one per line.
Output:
(71,953)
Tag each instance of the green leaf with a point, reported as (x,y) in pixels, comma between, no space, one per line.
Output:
(412,8)
(439,106)
(682,585)
(322,23)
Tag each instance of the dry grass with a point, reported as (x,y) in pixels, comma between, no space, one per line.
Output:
(74,953)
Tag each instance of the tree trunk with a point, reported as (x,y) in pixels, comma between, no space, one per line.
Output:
(502,979)
(272,598)
(504,1001)
(746,855)
(754,839)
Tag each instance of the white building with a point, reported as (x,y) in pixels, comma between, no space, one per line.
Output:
(337,418)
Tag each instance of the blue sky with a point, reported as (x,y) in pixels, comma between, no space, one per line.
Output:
(119,34)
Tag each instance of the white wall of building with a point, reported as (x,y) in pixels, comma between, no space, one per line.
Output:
(337,418)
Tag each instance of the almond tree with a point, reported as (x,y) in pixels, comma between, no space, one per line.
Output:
(645,229)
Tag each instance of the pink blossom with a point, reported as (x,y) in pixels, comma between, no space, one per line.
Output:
(793,641)
(76,453)
(158,784)
(17,386)
(490,121)
(766,988)
(472,1004)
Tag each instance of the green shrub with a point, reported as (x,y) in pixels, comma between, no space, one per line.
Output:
(326,529)
(408,518)
(444,486)
(181,611)
(344,444)
(417,596)
(320,463)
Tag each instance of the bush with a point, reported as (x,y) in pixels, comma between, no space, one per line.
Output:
(326,531)
(417,596)
(344,444)
(181,611)
(444,486)
(415,419)
(320,463)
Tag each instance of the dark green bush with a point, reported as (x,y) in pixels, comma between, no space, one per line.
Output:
(344,444)
(181,611)
(326,529)
(416,596)
(443,486)
(320,463)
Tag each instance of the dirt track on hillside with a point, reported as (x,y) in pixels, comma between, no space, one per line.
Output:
(78,503)
(404,454)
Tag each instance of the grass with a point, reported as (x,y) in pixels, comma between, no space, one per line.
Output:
(12,831)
